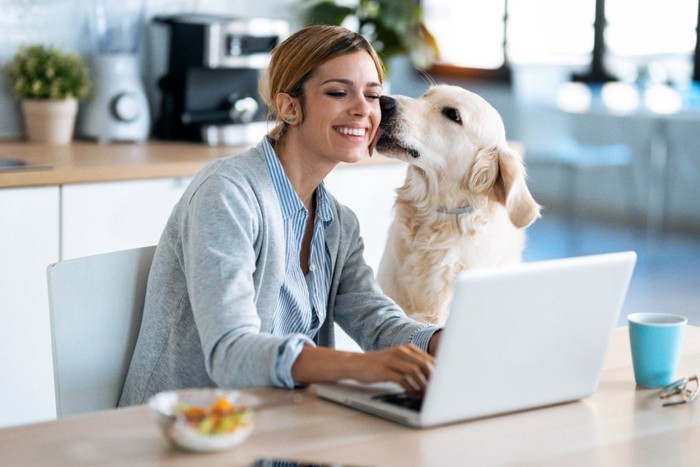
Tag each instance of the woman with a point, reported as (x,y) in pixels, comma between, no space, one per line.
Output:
(258,260)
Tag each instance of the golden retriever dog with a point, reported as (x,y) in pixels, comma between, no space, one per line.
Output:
(464,203)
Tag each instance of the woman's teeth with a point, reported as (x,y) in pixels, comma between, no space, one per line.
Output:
(352,131)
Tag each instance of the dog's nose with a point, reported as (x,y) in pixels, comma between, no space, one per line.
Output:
(388,107)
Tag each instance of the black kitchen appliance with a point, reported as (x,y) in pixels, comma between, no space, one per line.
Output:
(209,89)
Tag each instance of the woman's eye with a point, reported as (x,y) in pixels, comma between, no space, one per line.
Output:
(337,94)
(372,96)
(452,114)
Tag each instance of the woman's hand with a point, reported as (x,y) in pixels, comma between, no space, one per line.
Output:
(405,364)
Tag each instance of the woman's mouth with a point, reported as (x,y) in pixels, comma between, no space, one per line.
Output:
(351,131)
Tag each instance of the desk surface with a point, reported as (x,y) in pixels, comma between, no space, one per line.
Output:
(619,425)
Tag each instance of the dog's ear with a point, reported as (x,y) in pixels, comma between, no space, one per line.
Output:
(499,172)
(521,206)
(484,172)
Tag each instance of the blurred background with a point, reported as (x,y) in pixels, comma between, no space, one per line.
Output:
(600,95)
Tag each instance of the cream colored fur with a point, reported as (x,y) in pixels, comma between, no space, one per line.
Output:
(452,165)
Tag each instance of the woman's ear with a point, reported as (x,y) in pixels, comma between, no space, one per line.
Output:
(288,109)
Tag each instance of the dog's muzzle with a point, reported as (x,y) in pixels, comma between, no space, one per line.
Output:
(387,140)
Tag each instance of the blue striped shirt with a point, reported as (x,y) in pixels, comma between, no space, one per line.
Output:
(301,308)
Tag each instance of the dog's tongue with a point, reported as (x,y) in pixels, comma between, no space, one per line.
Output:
(374,141)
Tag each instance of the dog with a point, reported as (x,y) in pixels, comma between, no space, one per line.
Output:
(464,203)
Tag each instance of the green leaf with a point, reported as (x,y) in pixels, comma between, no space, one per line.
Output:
(394,27)
(44,72)
(327,13)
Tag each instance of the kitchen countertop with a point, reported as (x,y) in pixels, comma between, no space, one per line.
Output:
(89,162)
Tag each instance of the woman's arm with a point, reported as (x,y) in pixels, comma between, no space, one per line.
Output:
(219,233)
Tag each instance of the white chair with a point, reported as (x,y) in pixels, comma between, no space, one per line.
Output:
(96,305)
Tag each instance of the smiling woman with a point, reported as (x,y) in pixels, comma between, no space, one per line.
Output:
(258,261)
(334,120)
(328,114)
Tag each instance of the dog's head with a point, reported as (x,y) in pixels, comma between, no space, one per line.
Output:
(457,138)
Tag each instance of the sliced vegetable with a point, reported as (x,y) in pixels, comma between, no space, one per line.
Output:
(222,417)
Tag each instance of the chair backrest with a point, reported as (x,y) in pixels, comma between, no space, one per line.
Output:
(96,305)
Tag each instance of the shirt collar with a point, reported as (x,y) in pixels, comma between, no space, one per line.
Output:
(289,200)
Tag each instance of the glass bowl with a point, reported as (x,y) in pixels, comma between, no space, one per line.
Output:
(204,419)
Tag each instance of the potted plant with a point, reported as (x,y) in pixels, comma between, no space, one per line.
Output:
(393,27)
(49,84)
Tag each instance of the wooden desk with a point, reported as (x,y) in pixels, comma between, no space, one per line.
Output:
(619,425)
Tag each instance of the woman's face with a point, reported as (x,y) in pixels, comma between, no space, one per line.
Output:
(341,108)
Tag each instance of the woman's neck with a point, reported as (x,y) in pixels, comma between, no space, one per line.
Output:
(304,174)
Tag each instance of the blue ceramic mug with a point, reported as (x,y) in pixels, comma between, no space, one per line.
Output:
(656,340)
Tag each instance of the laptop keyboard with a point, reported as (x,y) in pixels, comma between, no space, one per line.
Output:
(403,400)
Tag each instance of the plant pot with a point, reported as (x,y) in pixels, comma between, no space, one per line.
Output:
(50,121)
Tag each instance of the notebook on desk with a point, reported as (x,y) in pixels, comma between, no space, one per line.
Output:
(516,338)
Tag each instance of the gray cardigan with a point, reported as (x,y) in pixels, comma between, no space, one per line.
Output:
(217,274)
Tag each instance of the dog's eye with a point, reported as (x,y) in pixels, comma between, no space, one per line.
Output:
(452,114)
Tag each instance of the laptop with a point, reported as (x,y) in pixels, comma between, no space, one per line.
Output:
(517,338)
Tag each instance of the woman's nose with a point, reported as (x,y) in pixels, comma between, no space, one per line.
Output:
(362,106)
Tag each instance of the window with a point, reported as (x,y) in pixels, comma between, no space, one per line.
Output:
(656,43)
(627,39)
(470,32)
(545,31)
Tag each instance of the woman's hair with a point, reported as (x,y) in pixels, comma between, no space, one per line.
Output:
(297,58)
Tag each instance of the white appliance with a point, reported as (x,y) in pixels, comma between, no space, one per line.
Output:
(118,108)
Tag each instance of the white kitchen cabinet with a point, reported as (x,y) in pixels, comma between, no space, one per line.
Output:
(102,217)
(39,226)
(108,216)
(370,191)
(29,226)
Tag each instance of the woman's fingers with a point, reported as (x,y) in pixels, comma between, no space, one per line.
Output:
(406,365)
(414,367)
